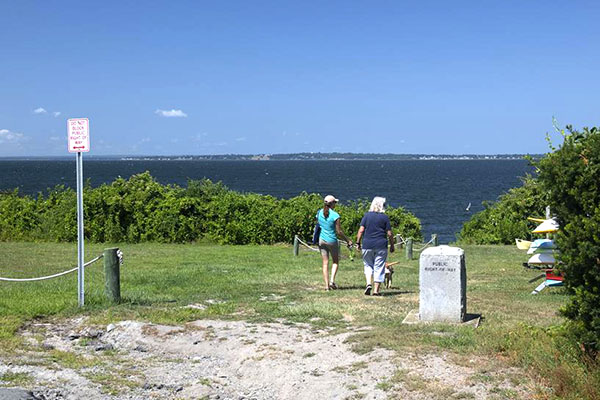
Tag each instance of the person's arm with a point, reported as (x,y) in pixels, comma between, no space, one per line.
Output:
(340,232)
(390,236)
(361,230)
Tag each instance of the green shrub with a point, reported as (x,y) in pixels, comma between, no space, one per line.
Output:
(18,216)
(141,209)
(506,220)
(571,177)
(403,222)
(58,215)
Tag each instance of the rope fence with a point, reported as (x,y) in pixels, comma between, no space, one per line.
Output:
(426,244)
(302,242)
(42,278)
(400,241)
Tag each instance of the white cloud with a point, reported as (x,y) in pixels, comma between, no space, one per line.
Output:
(145,140)
(54,138)
(56,113)
(7,136)
(40,110)
(240,139)
(170,113)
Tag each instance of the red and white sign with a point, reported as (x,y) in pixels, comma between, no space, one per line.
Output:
(78,130)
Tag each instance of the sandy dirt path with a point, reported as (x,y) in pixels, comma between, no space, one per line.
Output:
(236,360)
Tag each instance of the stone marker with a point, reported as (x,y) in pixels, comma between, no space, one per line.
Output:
(442,284)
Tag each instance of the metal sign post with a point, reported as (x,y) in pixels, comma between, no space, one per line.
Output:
(80,239)
(79,141)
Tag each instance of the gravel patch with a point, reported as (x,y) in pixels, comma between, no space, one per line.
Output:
(235,360)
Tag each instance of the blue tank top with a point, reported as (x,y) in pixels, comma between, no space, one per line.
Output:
(328,226)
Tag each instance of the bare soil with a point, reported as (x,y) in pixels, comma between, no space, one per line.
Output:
(238,360)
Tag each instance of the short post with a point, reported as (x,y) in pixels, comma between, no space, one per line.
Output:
(409,248)
(112,275)
(296,245)
(398,241)
(434,239)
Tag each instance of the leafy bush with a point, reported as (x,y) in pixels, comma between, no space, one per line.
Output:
(141,209)
(18,216)
(403,222)
(571,177)
(506,220)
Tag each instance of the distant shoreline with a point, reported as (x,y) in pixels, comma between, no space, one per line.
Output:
(287,157)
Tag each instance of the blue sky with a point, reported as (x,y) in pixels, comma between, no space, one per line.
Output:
(193,77)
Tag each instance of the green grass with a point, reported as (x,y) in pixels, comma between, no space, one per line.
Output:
(15,379)
(266,283)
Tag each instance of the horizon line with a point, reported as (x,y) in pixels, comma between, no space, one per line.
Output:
(333,154)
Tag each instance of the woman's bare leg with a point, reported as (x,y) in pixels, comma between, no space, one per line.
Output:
(334,266)
(376,287)
(326,270)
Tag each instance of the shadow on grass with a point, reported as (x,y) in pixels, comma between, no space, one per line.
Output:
(396,292)
(135,301)
(472,317)
(353,287)
(384,292)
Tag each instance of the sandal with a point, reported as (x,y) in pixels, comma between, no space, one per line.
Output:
(333,286)
(377,294)
(368,290)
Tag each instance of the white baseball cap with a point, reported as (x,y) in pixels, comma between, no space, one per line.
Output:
(330,199)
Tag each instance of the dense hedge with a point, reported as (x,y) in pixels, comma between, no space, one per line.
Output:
(141,209)
(506,220)
(571,177)
(569,182)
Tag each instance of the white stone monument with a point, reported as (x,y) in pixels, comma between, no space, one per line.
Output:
(442,284)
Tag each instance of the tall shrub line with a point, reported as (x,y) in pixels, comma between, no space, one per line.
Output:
(571,177)
(569,182)
(140,209)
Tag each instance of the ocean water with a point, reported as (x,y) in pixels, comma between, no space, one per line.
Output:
(438,192)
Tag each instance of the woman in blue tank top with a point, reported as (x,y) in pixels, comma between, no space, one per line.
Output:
(329,220)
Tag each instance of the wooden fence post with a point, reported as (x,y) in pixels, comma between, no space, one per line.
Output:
(112,275)
(409,249)
(296,245)
(398,241)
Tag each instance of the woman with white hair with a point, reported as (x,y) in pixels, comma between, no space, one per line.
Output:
(375,231)
(329,221)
